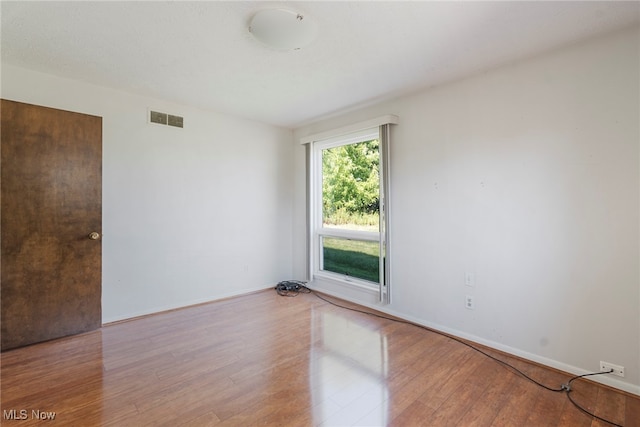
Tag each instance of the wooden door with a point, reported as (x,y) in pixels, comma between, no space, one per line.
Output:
(51,201)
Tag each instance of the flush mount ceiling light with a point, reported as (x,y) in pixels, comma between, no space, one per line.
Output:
(283,29)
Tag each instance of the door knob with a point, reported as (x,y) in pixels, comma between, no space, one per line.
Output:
(94,235)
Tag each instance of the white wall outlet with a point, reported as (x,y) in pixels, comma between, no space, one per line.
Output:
(617,370)
(469,302)
(469,279)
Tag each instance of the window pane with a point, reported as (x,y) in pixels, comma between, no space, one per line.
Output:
(351,186)
(356,258)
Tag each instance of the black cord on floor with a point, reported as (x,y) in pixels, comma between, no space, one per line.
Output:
(292,288)
(567,388)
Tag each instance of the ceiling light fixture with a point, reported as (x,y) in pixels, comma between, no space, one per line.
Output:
(283,29)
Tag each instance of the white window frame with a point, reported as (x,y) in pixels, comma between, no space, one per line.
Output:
(318,229)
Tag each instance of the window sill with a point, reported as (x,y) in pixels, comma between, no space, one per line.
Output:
(358,293)
(343,280)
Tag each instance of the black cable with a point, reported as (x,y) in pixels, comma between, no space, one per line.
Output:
(300,287)
(291,288)
(507,365)
(567,389)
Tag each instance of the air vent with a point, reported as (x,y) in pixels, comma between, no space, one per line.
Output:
(165,119)
(175,121)
(156,117)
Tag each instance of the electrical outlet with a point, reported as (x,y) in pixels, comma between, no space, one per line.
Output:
(617,370)
(469,302)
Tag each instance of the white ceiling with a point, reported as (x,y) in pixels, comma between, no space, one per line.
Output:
(201,53)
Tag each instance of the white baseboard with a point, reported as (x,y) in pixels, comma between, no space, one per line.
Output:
(570,369)
(160,309)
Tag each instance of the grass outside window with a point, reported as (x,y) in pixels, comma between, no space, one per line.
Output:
(355,258)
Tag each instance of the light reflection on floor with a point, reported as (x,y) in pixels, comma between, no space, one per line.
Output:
(348,371)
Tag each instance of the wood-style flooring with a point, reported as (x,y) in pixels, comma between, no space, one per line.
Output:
(262,359)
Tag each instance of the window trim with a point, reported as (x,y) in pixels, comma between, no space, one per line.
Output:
(388,119)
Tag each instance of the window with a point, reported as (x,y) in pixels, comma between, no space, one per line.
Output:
(349,198)
(348,215)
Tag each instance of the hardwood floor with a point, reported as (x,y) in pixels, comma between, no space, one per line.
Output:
(262,359)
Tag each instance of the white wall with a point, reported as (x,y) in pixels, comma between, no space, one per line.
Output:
(527,176)
(189,215)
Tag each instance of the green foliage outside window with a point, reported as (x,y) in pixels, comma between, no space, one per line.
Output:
(350,185)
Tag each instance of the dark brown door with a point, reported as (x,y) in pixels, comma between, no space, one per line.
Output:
(51,202)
